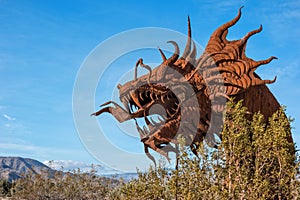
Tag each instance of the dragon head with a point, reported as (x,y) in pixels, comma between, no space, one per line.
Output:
(188,93)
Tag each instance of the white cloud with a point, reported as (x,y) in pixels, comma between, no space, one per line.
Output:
(67,165)
(9,118)
(70,165)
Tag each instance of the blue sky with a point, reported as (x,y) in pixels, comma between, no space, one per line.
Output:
(44,43)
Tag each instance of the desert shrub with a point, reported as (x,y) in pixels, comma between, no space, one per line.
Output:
(74,185)
(5,188)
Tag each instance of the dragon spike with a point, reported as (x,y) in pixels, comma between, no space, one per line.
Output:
(188,44)
(224,35)
(219,32)
(246,37)
(175,56)
(258,81)
(140,62)
(135,69)
(244,40)
(192,56)
(162,54)
(262,62)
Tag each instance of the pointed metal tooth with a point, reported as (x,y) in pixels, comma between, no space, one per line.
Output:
(156,123)
(169,96)
(164,117)
(169,112)
(145,130)
(153,123)
(160,119)
(141,96)
(131,106)
(147,94)
(147,120)
(136,107)
(162,98)
(152,96)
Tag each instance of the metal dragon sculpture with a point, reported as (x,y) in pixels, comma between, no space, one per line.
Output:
(190,92)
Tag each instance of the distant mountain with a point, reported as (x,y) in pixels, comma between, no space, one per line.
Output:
(12,168)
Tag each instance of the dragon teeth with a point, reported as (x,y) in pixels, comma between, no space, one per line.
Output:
(141,96)
(145,130)
(147,93)
(164,117)
(168,112)
(162,99)
(160,119)
(152,96)
(153,123)
(168,96)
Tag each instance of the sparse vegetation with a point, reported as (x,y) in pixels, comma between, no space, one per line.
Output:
(74,185)
(5,188)
(254,161)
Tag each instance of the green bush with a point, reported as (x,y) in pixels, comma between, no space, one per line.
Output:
(254,161)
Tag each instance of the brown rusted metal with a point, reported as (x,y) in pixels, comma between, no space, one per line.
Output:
(221,72)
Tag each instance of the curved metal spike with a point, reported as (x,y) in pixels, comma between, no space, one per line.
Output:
(175,56)
(141,96)
(224,35)
(257,81)
(153,122)
(140,62)
(263,62)
(192,56)
(188,44)
(136,67)
(163,56)
(160,119)
(246,37)
(219,32)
